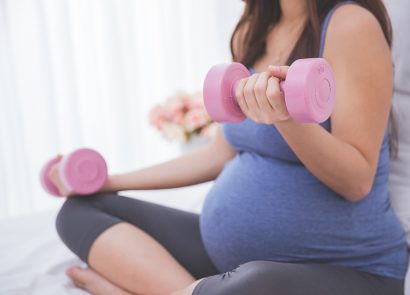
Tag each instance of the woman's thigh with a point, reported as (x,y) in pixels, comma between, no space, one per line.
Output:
(83,218)
(275,278)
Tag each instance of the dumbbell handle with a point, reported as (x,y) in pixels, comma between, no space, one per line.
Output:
(235,86)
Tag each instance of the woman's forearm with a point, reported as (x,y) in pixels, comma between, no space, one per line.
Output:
(336,163)
(201,165)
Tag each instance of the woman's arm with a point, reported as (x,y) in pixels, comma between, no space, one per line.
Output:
(345,159)
(201,165)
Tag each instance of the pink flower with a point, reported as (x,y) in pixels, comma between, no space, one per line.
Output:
(173,108)
(156,117)
(182,116)
(195,101)
(196,118)
(178,118)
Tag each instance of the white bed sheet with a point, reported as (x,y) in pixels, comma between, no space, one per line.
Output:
(33,259)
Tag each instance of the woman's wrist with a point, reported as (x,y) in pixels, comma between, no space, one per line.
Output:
(288,123)
(111,184)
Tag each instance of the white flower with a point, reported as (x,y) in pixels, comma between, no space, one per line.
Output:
(174,132)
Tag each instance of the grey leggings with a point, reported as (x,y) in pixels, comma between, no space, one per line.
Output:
(83,218)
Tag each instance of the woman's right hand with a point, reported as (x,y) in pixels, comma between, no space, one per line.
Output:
(54,176)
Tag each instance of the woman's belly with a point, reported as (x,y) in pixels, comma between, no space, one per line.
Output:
(265,209)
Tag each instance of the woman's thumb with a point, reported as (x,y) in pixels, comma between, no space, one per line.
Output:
(278,71)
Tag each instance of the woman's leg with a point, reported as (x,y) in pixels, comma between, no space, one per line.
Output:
(271,278)
(139,246)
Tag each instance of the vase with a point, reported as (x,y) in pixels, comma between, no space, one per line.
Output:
(194,143)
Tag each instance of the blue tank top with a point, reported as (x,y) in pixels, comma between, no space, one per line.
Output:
(266,205)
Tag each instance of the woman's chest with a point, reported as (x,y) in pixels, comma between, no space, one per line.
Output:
(262,139)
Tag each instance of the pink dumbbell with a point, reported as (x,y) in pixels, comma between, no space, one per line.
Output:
(83,172)
(309,91)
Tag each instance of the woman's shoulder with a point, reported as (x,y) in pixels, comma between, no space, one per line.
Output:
(351,16)
(354,29)
(352,21)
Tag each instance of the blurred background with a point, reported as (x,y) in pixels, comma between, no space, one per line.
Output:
(76,73)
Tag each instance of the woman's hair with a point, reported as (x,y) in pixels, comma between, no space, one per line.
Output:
(260,16)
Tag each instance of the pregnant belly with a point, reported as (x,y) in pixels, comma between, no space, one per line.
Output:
(261,209)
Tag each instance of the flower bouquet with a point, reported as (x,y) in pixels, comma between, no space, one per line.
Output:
(182,118)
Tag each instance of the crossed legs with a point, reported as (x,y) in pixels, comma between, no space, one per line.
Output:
(110,233)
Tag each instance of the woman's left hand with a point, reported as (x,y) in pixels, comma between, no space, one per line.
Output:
(260,98)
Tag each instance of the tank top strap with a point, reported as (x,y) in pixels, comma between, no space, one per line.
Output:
(326,24)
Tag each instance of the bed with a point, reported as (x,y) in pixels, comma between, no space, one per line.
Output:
(33,259)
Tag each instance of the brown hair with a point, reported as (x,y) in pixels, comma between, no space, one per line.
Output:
(260,16)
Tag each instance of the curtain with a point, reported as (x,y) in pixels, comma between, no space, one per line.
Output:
(85,73)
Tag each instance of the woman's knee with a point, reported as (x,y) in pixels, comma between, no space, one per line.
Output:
(79,218)
(76,208)
(70,215)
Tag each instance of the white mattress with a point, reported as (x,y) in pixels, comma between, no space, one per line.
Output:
(33,260)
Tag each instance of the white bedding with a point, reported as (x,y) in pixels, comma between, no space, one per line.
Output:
(33,260)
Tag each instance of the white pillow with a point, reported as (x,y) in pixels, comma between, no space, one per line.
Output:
(400,167)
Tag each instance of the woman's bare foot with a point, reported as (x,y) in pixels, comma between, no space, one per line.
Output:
(93,282)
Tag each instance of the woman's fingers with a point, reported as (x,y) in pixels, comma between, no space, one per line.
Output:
(249,95)
(260,98)
(240,98)
(54,176)
(274,93)
(260,89)
(276,99)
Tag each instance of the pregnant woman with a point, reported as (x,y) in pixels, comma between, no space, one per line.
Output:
(295,208)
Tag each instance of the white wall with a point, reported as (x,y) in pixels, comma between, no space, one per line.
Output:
(86,73)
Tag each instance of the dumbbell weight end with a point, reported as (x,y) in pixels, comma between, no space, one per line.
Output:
(82,172)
